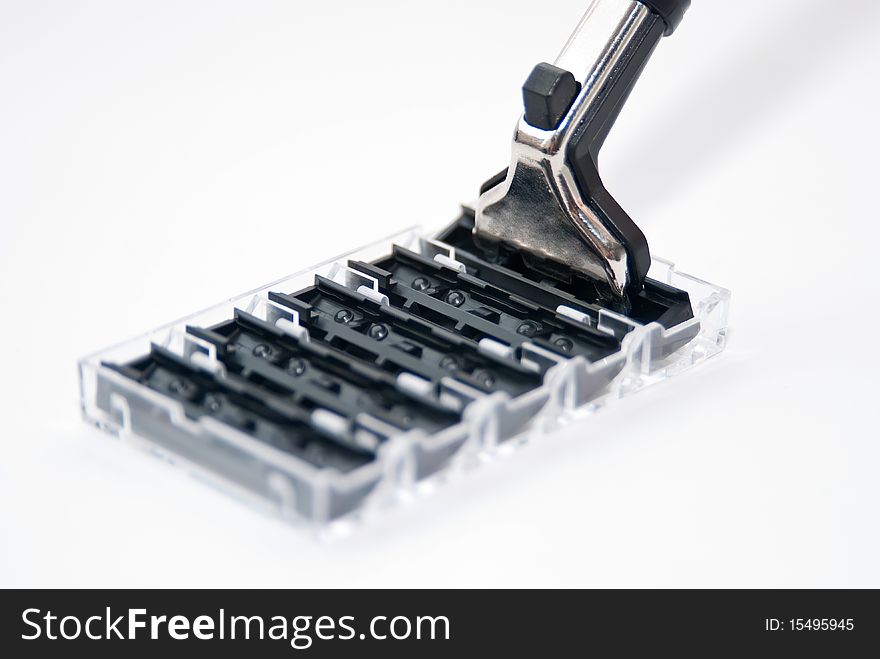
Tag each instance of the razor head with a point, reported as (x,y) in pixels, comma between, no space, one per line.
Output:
(550,203)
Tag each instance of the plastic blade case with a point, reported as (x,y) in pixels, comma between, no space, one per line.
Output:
(381,373)
(387,370)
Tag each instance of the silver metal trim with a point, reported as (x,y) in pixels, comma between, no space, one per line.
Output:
(538,207)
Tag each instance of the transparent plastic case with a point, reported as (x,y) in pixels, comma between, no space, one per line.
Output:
(410,462)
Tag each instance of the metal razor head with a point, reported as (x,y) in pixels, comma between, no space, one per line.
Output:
(550,204)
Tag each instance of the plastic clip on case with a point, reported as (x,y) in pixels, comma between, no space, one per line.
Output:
(386,371)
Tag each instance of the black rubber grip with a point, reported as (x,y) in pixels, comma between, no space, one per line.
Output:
(671,11)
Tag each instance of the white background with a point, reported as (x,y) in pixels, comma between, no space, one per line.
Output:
(157,157)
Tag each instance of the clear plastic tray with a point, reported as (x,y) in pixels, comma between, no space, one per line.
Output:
(407,464)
